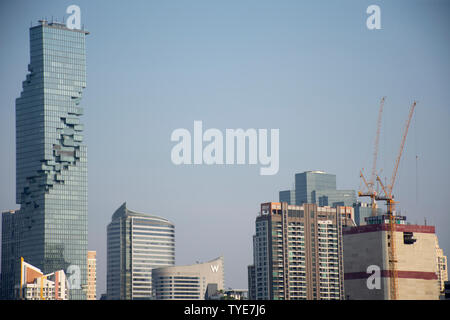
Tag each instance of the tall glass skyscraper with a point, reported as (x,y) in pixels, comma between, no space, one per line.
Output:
(136,244)
(51,159)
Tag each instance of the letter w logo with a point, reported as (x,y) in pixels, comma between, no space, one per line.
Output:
(215,268)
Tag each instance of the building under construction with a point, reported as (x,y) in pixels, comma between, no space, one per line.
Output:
(387,258)
(366,257)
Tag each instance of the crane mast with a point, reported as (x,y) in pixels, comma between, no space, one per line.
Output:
(390,204)
(370,185)
(377,140)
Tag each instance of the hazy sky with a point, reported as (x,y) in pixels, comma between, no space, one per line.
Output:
(311,69)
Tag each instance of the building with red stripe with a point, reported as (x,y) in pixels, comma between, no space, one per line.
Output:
(366,261)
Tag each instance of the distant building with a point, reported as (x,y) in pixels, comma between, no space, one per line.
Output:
(91,275)
(191,282)
(10,276)
(367,247)
(236,294)
(251,282)
(287,196)
(136,244)
(34,285)
(446,294)
(362,211)
(297,252)
(384,219)
(319,188)
(231,294)
(442,267)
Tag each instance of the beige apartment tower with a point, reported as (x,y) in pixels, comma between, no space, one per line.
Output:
(91,275)
(297,252)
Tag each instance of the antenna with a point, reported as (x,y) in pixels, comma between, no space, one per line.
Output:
(417,161)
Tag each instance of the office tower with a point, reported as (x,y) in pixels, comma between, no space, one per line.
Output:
(188,282)
(362,211)
(9,284)
(320,188)
(51,161)
(367,249)
(297,252)
(288,196)
(136,244)
(34,285)
(91,293)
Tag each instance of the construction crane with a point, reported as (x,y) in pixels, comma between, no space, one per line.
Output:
(388,197)
(390,205)
(370,185)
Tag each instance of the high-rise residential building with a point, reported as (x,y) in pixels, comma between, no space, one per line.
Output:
(367,251)
(136,244)
(297,252)
(188,282)
(91,293)
(317,187)
(50,230)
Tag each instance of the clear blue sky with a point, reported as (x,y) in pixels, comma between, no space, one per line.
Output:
(309,68)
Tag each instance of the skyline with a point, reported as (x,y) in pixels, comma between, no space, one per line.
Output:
(251,63)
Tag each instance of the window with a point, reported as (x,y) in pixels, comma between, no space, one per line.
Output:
(408,238)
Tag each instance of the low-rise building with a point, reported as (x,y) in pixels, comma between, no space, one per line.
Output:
(188,282)
(34,285)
